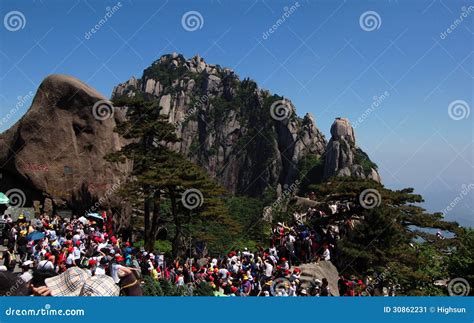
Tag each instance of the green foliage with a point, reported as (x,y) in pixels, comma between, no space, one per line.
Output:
(203,289)
(248,212)
(163,175)
(461,261)
(164,72)
(308,162)
(363,159)
(310,169)
(396,236)
(163,246)
(152,287)
(160,287)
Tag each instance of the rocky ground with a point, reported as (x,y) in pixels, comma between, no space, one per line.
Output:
(320,270)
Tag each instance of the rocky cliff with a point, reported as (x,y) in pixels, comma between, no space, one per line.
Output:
(246,137)
(343,157)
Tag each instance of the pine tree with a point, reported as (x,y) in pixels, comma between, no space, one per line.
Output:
(161,175)
(393,234)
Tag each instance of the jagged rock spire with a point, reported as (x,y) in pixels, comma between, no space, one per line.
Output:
(343,157)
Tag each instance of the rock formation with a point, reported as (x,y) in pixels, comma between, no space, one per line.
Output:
(225,123)
(320,270)
(57,149)
(343,157)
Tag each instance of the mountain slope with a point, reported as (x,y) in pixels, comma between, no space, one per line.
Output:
(228,125)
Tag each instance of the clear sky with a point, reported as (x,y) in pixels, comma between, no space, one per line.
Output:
(331,58)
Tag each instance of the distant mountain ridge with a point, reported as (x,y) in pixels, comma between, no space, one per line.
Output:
(237,133)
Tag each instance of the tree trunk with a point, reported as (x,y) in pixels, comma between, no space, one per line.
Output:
(177,247)
(154,222)
(149,245)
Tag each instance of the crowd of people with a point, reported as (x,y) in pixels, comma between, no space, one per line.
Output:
(52,251)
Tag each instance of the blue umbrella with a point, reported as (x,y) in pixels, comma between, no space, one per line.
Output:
(4,199)
(35,235)
(96,216)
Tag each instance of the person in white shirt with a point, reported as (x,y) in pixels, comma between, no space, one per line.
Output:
(100,269)
(291,238)
(292,289)
(77,251)
(246,253)
(273,251)
(268,269)
(70,259)
(326,254)
(46,264)
(223,273)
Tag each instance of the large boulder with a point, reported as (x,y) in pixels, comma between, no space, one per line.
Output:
(341,128)
(320,270)
(57,149)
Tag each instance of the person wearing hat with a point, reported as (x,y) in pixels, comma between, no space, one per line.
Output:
(246,287)
(76,282)
(101,269)
(234,291)
(53,239)
(70,260)
(21,245)
(99,285)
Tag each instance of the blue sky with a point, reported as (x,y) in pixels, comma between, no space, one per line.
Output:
(321,57)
